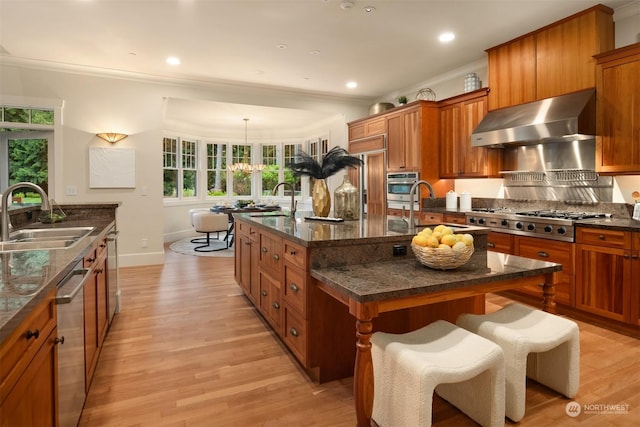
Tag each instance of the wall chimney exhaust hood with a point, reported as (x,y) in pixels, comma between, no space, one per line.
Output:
(563,118)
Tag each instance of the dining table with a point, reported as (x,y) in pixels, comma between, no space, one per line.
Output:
(230,210)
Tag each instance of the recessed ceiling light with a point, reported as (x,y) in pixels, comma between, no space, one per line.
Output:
(281,46)
(369,9)
(173,60)
(315,52)
(446,37)
(352,85)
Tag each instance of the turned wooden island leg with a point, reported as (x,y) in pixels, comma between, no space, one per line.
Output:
(363,370)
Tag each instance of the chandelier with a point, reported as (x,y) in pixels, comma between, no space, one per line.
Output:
(245,166)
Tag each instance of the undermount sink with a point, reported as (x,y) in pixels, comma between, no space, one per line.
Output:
(44,238)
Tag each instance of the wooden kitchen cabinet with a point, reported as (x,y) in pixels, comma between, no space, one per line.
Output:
(28,370)
(512,73)
(459,116)
(404,138)
(455,218)
(246,257)
(565,50)
(552,251)
(607,273)
(500,242)
(554,60)
(96,308)
(270,277)
(367,127)
(618,115)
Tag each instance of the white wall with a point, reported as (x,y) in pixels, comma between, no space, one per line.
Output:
(127,104)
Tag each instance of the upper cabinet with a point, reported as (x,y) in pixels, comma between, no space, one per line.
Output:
(366,128)
(459,116)
(618,88)
(404,139)
(551,61)
(512,73)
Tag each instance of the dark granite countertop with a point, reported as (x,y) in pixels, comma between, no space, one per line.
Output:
(395,279)
(324,233)
(35,273)
(622,224)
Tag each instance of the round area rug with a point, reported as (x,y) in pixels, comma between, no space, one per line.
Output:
(185,246)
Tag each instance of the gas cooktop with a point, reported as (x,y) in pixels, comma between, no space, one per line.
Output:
(562,214)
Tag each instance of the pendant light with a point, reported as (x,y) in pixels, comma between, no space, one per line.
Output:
(245,166)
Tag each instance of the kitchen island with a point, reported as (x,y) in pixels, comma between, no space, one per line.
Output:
(313,281)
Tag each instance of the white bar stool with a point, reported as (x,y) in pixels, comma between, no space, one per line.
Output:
(540,345)
(463,368)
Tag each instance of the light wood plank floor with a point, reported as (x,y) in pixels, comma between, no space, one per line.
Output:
(189,350)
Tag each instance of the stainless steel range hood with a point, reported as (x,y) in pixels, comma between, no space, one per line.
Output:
(563,118)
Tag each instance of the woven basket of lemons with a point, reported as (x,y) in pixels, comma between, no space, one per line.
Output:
(441,248)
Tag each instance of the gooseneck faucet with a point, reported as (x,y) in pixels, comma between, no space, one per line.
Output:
(294,203)
(6,222)
(412,191)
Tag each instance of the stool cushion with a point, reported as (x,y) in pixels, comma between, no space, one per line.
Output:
(540,345)
(208,222)
(408,368)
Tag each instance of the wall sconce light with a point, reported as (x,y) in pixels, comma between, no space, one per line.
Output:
(112,137)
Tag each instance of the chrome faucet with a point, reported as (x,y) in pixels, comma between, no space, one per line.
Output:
(412,191)
(6,222)
(294,203)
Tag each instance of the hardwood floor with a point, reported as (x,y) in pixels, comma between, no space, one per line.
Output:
(189,350)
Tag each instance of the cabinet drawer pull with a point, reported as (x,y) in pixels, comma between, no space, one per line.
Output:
(292,252)
(59,340)
(264,293)
(543,254)
(264,249)
(491,245)
(247,243)
(294,332)
(294,287)
(91,259)
(102,245)
(601,237)
(625,256)
(276,305)
(276,257)
(33,334)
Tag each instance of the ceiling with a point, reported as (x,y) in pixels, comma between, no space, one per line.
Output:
(312,46)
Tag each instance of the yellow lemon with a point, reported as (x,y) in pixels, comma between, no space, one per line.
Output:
(419,240)
(446,230)
(437,235)
(448,239)
(432,242)
(427,231)
(467,239)
(444,248)
(439,227)
(458,237)
(459,246)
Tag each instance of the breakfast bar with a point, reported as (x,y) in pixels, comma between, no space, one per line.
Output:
(370,289)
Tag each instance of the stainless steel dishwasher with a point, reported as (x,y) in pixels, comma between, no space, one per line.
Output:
(113,274)
(70,311)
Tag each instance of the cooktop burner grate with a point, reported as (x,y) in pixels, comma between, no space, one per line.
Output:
(562,214)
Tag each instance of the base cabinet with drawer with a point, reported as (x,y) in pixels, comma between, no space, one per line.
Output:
(608,273)
(96,308)
(28,371)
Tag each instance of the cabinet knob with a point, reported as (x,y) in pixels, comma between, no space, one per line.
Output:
(276,257)
(601,237)
(33,334)
(276,305)
(293,332)
(264,249)
(58,340)
(247,243)
(543,254)
(91,259)
(264,293)
(491,245)
(294,287)
(292,252)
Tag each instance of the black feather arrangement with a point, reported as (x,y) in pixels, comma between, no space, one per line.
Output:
(336,159)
